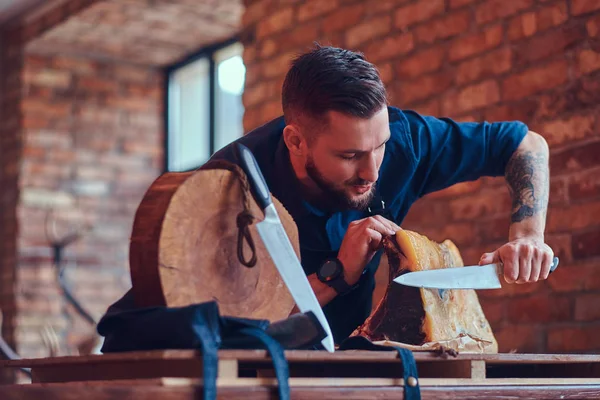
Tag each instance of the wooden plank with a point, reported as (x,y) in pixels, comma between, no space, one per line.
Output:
(307,356)
(103,371)
(61,371)
(77,392)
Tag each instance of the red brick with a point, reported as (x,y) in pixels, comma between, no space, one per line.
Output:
(386,72)
(494,230)
(475,43)
(521,26)
(548,44)
(585,245)
(593,26)
(417,12)
(559,192)
(278,66)
(48,78)
(256,11)
(492,10)
(428,60)
(132,103)
(561,246)
(487,203)
(268,47)
(552,15)
(302,35)
(586,307)
(37,108)
(450,25)
(271,110)
(424,87)
(312,9)
(427,213)
(495,311)
(261,92)
(456,190)
(538,309)
(494,63)
(125,73)
(588,61)
(78,66)
(343,18)
(97,84)
(520,111)
(575,217)
(579,7)
(367,30)
(575,159)
(512,289)
(520,338)
(275,22)
(585,185)
(431,107)
(534,80)
(471,97)
(145,91)
(251,119)
(249,55)
(573,339)
(389,47)
(568,130)
(383,5)
(254,73)
(460,3)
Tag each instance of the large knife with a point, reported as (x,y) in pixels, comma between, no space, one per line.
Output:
(279,246)
(473,277)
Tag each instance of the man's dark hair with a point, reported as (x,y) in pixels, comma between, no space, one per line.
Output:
(332,79)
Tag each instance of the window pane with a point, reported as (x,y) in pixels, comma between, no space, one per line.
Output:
(229,113)
(189,116)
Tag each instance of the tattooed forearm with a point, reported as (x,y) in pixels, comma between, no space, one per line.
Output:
(528,182)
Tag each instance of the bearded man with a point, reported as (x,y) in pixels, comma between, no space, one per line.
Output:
(348,166)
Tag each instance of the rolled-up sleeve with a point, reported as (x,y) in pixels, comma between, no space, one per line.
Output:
(448,152)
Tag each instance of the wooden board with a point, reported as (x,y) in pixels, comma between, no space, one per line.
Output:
(184,247)
(379,368)
(191,392)
(354,374)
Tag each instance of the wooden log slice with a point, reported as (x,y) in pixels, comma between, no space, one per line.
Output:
(184,247)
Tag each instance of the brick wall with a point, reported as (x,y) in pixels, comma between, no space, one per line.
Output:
(536,61)
(92,144)
(10,148)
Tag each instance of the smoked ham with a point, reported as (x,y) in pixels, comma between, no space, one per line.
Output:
(416,316)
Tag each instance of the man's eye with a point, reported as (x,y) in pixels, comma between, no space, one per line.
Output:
(348,157)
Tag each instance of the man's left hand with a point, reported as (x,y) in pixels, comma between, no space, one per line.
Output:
(525,260)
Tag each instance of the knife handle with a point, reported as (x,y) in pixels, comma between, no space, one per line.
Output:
(258,185)
(554,264)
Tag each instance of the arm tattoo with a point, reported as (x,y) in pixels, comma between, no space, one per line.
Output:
(528,182)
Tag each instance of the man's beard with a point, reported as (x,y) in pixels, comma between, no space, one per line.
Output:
(336,198)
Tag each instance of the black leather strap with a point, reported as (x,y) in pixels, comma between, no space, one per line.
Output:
(410,374)
(280,363)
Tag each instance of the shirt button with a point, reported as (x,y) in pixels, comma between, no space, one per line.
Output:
(412,381)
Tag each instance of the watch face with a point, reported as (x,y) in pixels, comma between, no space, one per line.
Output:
(329,270)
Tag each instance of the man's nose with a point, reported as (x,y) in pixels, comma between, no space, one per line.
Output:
(369,170)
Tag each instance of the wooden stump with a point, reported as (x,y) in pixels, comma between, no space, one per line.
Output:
(184,247)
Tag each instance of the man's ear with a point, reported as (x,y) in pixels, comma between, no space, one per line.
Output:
(294,140)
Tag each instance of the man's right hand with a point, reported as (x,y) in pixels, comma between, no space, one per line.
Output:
(361,242)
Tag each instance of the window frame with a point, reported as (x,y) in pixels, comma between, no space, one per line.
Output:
(207,52)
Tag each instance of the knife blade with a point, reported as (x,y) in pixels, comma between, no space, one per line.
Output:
(279,246)
(472,277)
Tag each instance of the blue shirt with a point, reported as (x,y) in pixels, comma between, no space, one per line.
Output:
(424,154)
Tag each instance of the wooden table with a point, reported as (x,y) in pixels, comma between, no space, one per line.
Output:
(356,374)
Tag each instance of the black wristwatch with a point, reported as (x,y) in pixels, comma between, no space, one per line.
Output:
(331,273)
